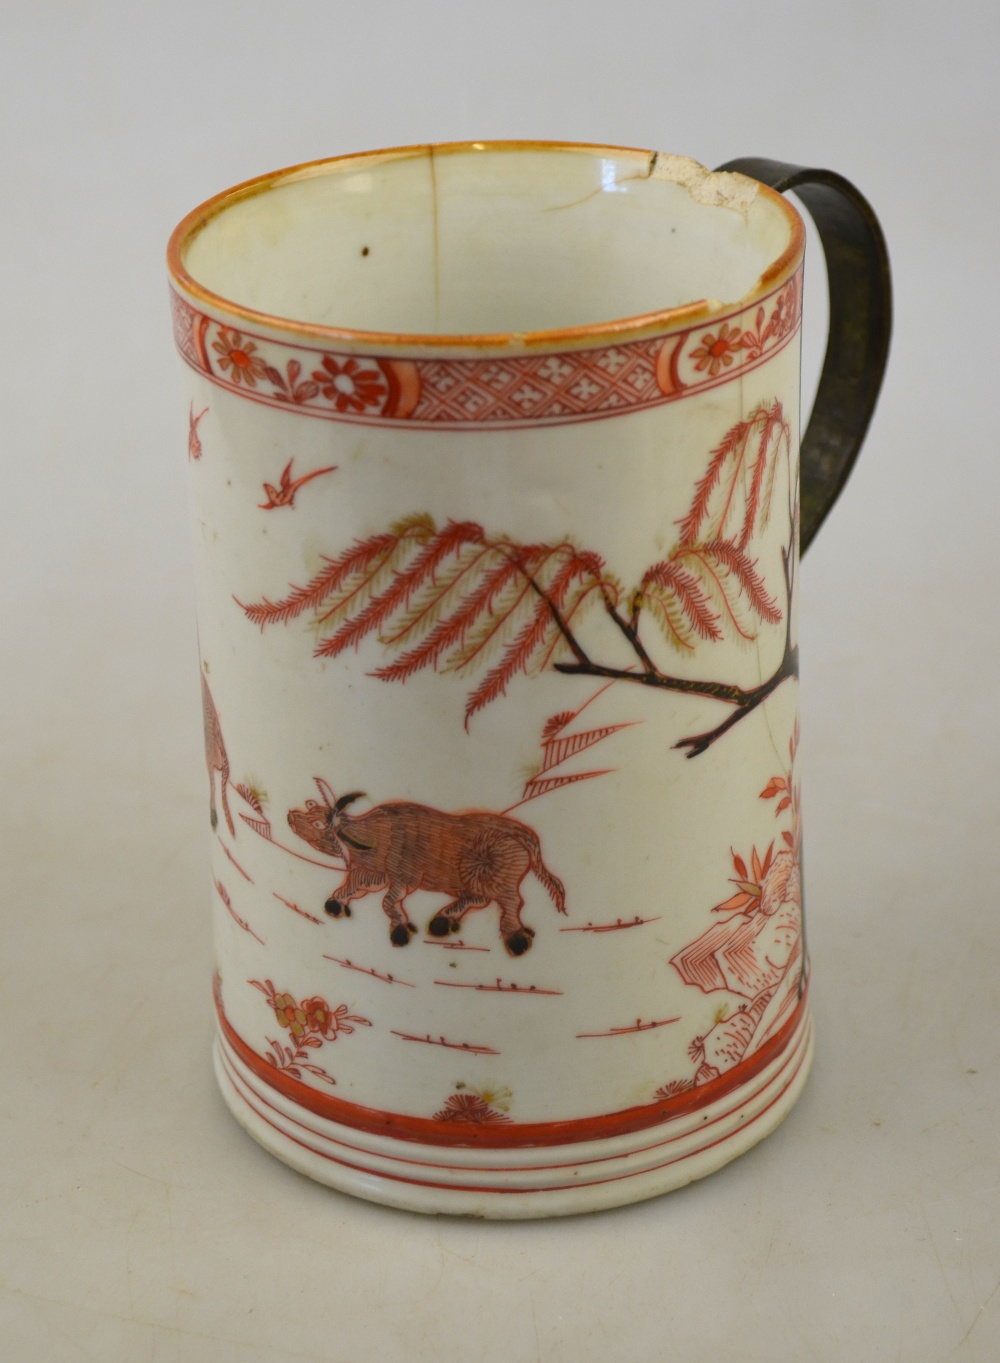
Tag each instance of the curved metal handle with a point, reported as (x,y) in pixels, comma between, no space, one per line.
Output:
(857,264)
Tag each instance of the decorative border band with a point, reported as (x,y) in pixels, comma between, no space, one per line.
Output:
(528,1177)
(499,392)
(429,1131)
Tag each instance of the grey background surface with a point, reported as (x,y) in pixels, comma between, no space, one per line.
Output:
(139,1223)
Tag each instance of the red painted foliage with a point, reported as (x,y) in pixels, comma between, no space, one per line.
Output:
(456,598)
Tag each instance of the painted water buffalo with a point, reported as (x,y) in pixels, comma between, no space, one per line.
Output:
(479,858)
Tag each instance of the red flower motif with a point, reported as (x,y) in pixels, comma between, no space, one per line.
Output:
(239,357)
(319,1017)
(716,352)
(469,1107)
(350,386)
(310,1022)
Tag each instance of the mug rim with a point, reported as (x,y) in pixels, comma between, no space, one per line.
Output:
(615,329)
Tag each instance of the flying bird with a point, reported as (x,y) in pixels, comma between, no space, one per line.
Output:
(284,494)
(194,440)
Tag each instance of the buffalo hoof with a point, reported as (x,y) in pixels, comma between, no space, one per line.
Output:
(439,926)
(334,908)
(519,942)
(401,934)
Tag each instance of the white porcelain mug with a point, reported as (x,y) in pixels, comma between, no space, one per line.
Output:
(494,456)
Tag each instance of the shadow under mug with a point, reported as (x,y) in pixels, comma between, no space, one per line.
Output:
(495,467)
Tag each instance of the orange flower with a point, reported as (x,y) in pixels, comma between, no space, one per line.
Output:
(239,356)
(319,1017)
(349,386)
(716,352)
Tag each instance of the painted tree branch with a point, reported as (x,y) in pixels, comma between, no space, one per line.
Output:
(455,599)
(744,700)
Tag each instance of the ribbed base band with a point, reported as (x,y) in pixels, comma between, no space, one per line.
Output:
(521,1182)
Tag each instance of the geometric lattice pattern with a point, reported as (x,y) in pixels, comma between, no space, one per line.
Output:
(440,391)
(536,387)
(185,319)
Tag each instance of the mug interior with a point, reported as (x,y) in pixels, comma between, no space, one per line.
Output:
(486,239)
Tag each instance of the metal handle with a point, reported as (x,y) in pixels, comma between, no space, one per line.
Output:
(857,264)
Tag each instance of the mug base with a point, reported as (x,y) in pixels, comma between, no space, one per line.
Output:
(518,1183)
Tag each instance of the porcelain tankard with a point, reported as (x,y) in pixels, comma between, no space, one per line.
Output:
(495,464)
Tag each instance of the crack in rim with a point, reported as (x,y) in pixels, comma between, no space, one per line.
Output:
(632,327)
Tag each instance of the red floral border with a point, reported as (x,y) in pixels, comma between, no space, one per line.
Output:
(432,1131)
(498,392)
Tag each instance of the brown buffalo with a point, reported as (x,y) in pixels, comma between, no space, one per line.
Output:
(477,857)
